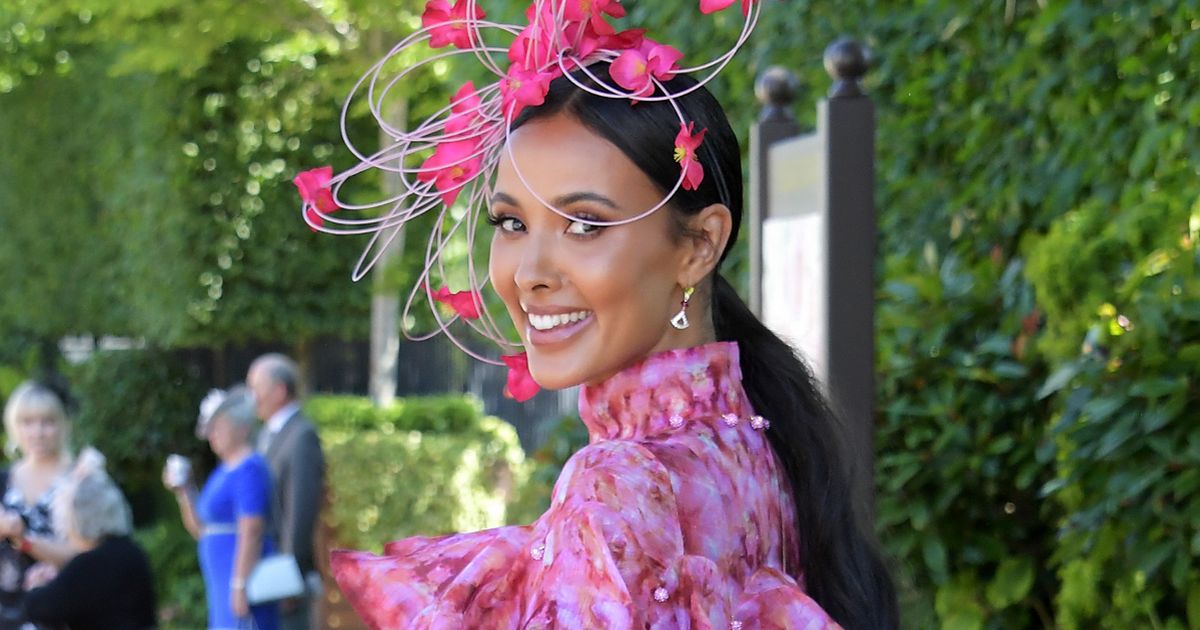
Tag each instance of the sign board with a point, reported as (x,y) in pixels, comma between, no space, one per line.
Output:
(795,250)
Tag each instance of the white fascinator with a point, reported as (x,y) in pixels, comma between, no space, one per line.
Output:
(212,401)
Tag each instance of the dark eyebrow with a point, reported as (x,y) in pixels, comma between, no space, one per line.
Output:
(560,201)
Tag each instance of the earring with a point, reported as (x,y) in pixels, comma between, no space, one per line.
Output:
(680,321)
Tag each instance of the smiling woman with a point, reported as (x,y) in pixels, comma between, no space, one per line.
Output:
(711,493)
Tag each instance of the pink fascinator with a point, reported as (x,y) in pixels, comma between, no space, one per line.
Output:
(445,165)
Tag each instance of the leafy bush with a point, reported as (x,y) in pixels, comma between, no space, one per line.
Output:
(176,570)
(1126,398)
(136,407)
(393,481)
(958,465)
(433,414)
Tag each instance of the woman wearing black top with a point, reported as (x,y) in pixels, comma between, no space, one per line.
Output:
(108,584)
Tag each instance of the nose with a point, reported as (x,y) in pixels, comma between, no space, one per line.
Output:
(537,268)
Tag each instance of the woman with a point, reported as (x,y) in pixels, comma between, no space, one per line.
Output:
(711,493)
(107,586)
(35,421)
(229,517)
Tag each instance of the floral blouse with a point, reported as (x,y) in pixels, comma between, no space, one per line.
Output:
(675,515)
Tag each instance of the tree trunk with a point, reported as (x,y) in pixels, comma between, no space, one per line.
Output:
(385,301)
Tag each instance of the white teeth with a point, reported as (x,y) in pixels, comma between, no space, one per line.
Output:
(546,322)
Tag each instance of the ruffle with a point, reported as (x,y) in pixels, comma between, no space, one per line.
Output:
(610,553)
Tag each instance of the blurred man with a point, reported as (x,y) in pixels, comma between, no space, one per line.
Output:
(289,442)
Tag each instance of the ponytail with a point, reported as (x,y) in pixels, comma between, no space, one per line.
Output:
(843,569)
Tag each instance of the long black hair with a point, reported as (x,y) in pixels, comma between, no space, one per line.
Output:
(843,569)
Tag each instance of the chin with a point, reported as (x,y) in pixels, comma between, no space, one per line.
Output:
(553,374)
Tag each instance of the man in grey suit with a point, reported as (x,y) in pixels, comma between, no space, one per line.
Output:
(289,442)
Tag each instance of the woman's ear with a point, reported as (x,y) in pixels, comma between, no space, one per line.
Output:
(706,234)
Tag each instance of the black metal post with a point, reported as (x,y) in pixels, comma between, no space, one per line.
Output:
(776,90)
(847,119)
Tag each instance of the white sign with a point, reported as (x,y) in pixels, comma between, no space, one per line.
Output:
(795,295)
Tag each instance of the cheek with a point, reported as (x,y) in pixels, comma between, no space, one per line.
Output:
(502,267)
(630,288)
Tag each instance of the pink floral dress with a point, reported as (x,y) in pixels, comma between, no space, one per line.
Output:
(675,515)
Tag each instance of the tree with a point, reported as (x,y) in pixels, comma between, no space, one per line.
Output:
(246,95)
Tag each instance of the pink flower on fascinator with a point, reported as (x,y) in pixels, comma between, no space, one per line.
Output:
(464,109)
(451,166)
(524,87)
(712,6)
(592,12)
(465,303)
(520,386)
(633,69)
(685,153)
(537,45)
(313,185)
(447,24)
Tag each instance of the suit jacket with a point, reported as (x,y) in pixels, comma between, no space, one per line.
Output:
(298,482)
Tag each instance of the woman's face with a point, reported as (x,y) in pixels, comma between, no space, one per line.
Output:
(40,434)
(587,301)
(223,436)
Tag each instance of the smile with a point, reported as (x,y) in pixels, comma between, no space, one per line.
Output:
(548,322)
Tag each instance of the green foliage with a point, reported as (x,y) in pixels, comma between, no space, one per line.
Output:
(393,481)
(427,414)
(959,439)
(175,566)
(1129,444)
(60,269)
(136,407)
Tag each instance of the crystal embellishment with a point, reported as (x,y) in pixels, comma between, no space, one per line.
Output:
(661,594)
(735,625)
(676,421)
(760,423)
(538,552)
(730,419)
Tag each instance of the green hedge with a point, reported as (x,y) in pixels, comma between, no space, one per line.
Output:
(424,466)
(178,583)
(434,414)
(1127,406)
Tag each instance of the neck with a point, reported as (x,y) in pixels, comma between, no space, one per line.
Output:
(82,545)
(236,455)
(278,409)
(45,462)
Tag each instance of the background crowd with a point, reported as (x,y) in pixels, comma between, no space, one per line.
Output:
(67,556)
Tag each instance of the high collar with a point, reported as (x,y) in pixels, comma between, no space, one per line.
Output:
(682,385)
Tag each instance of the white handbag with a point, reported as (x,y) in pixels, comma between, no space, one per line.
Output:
(274,578)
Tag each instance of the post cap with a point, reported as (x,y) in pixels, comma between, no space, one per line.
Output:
(776,90)
(847,61)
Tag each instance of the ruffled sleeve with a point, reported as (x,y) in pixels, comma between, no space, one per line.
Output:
(609,553)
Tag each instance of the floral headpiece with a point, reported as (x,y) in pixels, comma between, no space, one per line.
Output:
(468,136)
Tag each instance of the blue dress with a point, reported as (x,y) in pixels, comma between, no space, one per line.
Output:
(230,493)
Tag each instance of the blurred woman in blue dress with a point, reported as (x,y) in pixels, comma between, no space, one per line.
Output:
(229,517)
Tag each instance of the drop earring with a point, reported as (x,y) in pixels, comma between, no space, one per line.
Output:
(680,321)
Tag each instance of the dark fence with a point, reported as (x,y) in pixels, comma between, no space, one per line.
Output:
(436,366)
